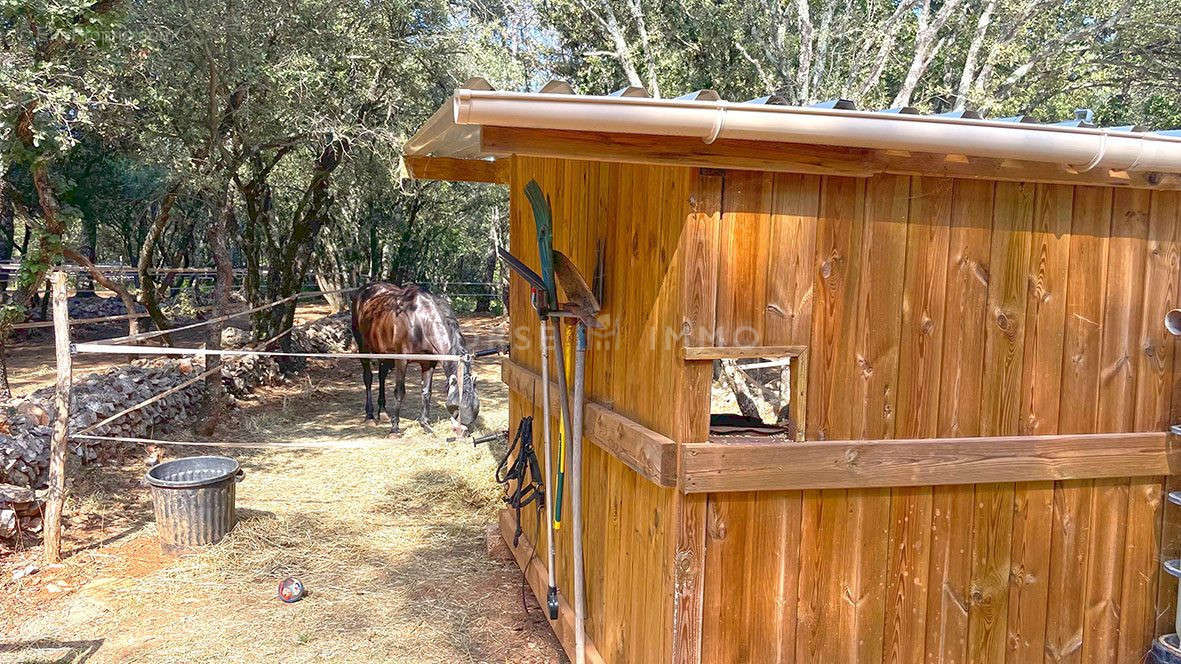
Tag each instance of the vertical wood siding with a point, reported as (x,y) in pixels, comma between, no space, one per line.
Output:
(643,217)
(932,307)
(937,307)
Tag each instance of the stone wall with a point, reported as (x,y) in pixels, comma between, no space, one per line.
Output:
(24,440)
(26,424)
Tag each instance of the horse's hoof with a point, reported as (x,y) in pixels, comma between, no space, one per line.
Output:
(394,433)
(427,427)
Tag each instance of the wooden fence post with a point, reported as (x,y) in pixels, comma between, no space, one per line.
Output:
(57,453)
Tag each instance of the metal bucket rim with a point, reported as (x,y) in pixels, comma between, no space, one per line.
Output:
(1170,643)
(191,484)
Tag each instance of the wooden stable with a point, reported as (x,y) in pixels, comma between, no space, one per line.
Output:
(985,387)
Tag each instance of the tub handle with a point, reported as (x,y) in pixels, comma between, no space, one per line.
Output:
(239,475)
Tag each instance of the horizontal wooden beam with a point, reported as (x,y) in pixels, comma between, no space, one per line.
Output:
(457,170)
(691,353)
(529,560)
(754,464)
(652,455)
(796,158)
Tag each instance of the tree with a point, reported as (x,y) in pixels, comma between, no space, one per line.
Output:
(999,56)
(259,103)
(48,89)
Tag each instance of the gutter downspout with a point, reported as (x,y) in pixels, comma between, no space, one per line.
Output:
(1081,149)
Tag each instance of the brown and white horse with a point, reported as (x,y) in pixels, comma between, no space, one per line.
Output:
(407,319)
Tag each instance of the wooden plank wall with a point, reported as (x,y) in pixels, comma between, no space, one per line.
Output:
(640,213)
(937,307)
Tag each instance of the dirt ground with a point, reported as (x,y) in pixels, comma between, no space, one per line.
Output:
(388,534)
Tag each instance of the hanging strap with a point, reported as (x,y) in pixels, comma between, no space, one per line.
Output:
(513,467)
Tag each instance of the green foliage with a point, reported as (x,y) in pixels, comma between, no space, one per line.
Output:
(1040,57)
(51,72)
(44,248)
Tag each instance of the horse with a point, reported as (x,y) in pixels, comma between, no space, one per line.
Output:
(407,319)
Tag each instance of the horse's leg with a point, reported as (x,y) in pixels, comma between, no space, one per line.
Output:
(399,393)
(427,376)
(383,368)
(367,376)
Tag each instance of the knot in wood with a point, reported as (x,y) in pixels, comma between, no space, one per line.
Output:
(852,456)
(976,595)
(1002,321)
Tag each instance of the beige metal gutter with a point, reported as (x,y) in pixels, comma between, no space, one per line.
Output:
(1082,149)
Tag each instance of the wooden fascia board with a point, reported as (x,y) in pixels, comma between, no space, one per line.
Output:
(458,170)
(797,158)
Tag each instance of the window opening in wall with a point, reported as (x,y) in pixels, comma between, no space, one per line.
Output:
(754,397)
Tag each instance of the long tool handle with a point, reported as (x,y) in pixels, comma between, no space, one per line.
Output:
(576,496)
(564,393)
(552,595)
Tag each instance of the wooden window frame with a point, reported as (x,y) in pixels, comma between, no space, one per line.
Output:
(799,371)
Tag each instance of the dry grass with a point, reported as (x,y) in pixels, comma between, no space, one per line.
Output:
(389,539)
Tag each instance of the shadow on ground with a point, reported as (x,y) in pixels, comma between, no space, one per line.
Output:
(51,651)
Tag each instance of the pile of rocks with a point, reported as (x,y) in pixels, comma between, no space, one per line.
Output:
(235,337)
(330,334)
(20,511)
(24,447)
(242,374)
(93,306)
(183,307)
(97,307)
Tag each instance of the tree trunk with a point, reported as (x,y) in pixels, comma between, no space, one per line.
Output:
(375,253)
(783,408)
(889,35)
(46,298)
(926,45)
(968,74)
(645,47)
(50,239)
(804,73)
(331,281)
(147,291)
(484,302)
(7,234)
(219,247)
(108,283)
(84,285)
(290,262)
(748,400)
(622,49)
(5,388)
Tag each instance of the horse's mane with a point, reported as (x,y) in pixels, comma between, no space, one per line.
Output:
(454,331)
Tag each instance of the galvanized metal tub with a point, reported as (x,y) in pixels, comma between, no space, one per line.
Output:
(193,499)
(1165,650)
